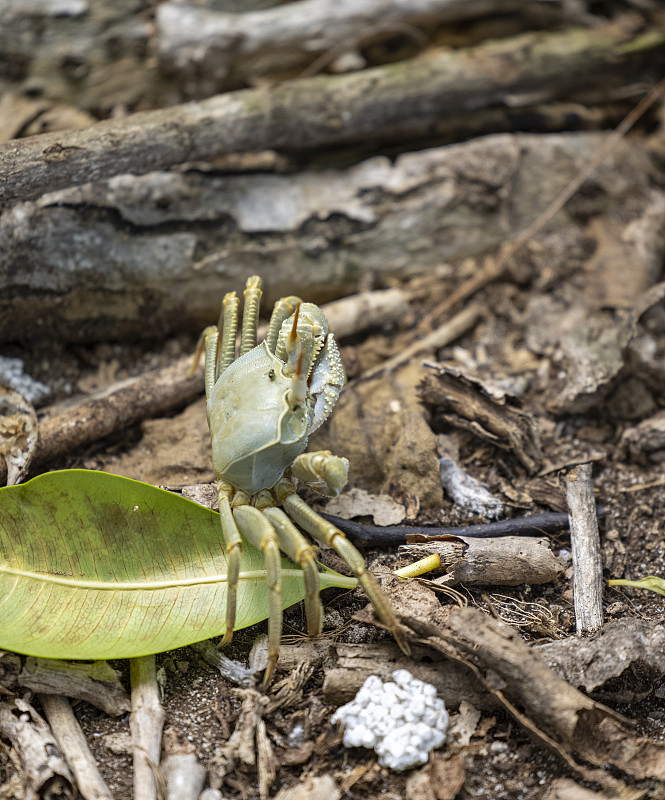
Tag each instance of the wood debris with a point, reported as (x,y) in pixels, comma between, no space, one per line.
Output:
(466,403)
(72,742)
(96,683)
(18,435)
(557,714)
(585,544)
(43,766)
(589,662)
(146,722)
(504,561)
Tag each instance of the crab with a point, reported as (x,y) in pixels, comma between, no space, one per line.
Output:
(261,407)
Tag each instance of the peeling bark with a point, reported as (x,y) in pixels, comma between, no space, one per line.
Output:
(142,256)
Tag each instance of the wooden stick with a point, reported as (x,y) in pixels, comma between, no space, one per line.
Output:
(585,545)
(396,102)
(113,409)
(445,334)
(72,742)
(364,535)
(145,723)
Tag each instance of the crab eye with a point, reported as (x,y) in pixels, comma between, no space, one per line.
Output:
(271,374)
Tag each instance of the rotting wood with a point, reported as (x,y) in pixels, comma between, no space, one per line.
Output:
(45,772)
(206,51)
(585,546)
(612,650)
(72,742)
(97,683)
(156,252)
(505,561)
(395,102)
(145,723)
(466,404)
(88,54)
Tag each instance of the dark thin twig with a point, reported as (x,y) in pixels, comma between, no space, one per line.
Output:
(391,536)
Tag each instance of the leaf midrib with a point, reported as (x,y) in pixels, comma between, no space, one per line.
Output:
(151,586)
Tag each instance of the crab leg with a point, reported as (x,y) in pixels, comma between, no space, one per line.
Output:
(208,342)
(250,314)
(233,545)
(299,550)
(228,325)
(259,532)
(282,310)
(326,533)
(322,471)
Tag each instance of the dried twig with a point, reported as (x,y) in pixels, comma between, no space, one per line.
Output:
(145,723)
(363,535)
(72,742)
(585,545)
(445,334)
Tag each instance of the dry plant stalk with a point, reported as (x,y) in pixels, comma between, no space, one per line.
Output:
(72,742)
(145,723)
(585,545)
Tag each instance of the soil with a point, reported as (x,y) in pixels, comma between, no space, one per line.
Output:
(500,761)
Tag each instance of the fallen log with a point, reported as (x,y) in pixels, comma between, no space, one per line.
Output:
(383,104)
(155,253)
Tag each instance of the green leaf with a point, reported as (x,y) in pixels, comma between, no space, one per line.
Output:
(95,566)
(651,582)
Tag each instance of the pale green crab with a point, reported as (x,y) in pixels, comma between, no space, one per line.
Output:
(262,407)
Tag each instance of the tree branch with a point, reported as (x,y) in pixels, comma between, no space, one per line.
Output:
(385,103)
